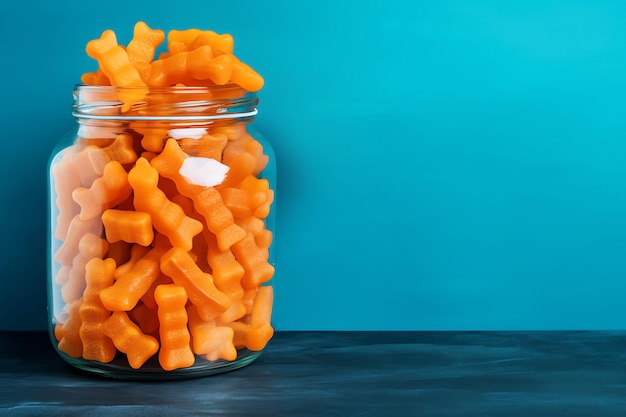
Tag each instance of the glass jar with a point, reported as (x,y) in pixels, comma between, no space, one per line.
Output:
(160,239)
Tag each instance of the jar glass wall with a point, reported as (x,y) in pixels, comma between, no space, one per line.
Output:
(161,230)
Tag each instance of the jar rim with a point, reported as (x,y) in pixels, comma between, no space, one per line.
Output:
(228,101)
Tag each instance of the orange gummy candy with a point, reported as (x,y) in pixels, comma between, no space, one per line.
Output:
(220,43)
(145,41)
(129,339)
(208,146)
(261,331)
(244,76)
(76,230)
(88,168)
(181,66)
(129,287)
(128,226)
(90,246)
(179,40)
(66,180)
(136,253)
(146,317)
(105,192)
(68,332)
(214,342)
(175,339)
(255,262)
(226,270)
(115,64)
(199,286)
(95,78)
(121,150)
(168,218)
(96,346)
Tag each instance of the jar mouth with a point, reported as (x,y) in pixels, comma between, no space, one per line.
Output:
(163,103)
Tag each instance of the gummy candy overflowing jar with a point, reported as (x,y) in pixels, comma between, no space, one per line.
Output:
(161,212)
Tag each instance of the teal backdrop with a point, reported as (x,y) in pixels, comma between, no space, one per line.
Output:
(441,164)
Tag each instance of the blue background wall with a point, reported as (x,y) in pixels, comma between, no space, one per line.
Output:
(442,164)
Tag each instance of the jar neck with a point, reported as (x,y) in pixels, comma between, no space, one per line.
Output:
(165,103)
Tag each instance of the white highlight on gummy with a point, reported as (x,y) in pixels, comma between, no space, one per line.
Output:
(203,171)
(187,133)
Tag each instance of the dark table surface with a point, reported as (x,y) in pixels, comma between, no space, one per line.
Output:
(346,374)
